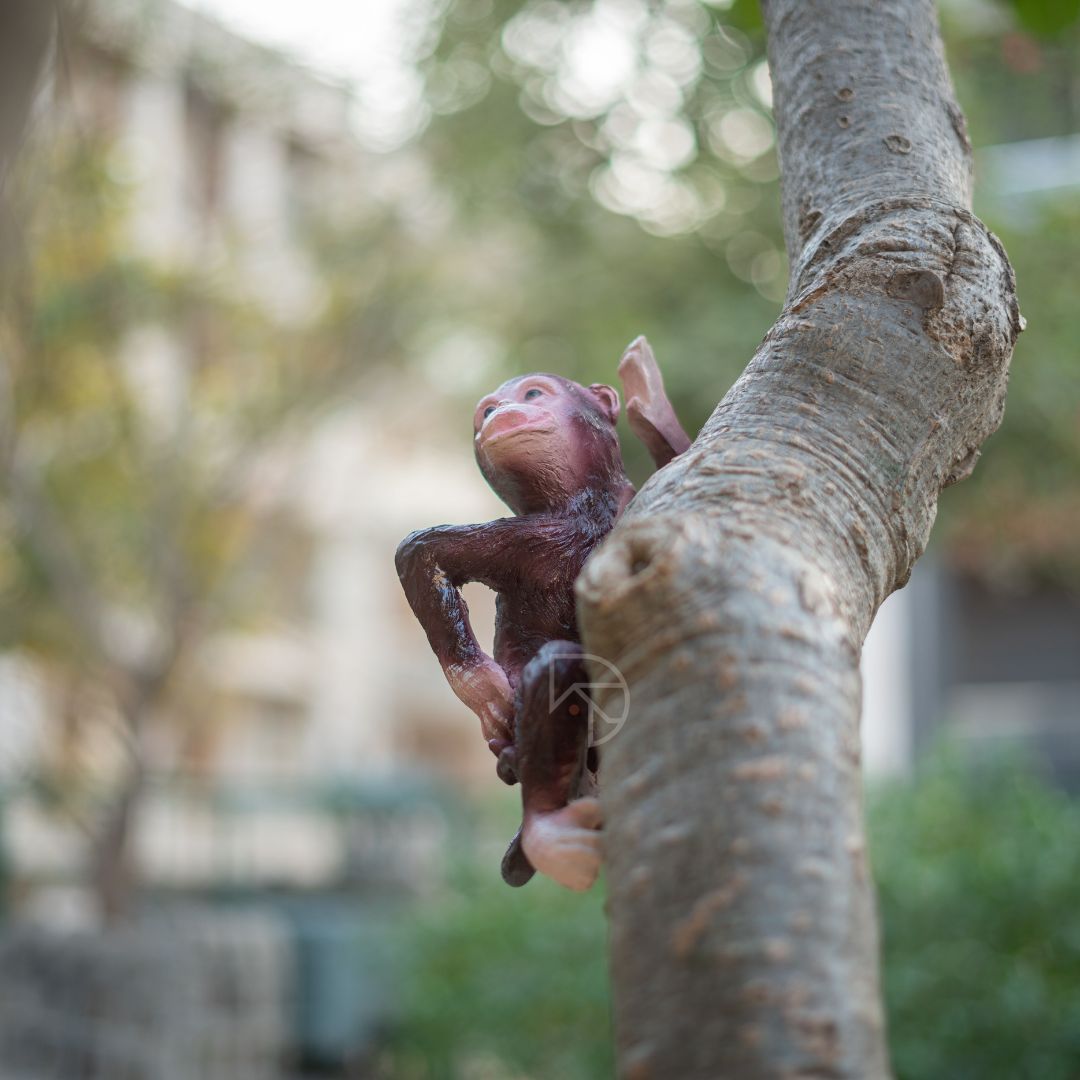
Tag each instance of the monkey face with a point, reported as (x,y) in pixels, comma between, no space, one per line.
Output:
(531,407)
(539,438)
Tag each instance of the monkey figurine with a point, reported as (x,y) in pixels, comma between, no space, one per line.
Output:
(549,449)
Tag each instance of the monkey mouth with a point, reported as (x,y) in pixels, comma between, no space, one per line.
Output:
(515,420)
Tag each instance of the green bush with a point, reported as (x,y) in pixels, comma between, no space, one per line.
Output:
(506,984)
(979,878)
(978,872)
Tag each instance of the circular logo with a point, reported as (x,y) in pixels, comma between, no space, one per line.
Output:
(604,723)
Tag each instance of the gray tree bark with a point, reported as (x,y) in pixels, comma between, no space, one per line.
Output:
(736,593)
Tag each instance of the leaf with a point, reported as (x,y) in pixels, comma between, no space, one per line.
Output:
(1046,17)
(745,15)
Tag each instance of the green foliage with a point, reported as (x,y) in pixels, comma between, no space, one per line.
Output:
(977,869)
(1047,17)
(506,984)
(538,262)
(746,15)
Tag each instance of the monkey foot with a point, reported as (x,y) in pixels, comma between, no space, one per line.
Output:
(516,868)
(566,844)
(506,769)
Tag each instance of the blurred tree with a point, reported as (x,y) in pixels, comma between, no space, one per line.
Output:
(27,29)
(145,404)
(590,205)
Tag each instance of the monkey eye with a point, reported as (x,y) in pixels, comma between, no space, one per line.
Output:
(488,411)
(535,392)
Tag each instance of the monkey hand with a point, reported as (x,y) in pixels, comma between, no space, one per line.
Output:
(640,376)
(484,688)
(566,844)
(648,410)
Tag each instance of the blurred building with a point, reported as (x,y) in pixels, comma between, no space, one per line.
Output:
(224,143)
(227,141)
(995,669)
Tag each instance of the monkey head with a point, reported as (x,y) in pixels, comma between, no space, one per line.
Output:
(541,439)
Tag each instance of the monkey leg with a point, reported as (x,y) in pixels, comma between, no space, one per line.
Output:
(552,759)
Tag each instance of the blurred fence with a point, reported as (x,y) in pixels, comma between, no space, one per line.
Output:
(264,939)
(205,996)
(193,834)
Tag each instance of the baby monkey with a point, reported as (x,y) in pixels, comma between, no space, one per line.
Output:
(549,449)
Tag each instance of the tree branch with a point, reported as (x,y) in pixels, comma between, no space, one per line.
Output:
(27,30)
(864,110)
(737,591)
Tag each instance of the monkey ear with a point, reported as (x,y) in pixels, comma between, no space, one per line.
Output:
(607,398)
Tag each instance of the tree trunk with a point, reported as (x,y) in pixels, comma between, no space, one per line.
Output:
(112,870)
(26,36)
(113,873)
(736,593)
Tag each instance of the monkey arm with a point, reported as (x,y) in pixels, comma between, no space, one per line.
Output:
(648,410)
(433,564)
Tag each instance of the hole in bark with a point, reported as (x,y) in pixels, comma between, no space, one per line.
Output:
(845,93)
(640,557)
(843,121)
(897,144)
(922,287)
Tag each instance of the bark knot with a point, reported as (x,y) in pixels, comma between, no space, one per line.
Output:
(922,287)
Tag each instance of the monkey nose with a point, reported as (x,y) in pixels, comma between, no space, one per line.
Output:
(512,417)
(504,416)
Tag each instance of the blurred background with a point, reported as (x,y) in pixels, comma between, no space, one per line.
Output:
(259,261)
